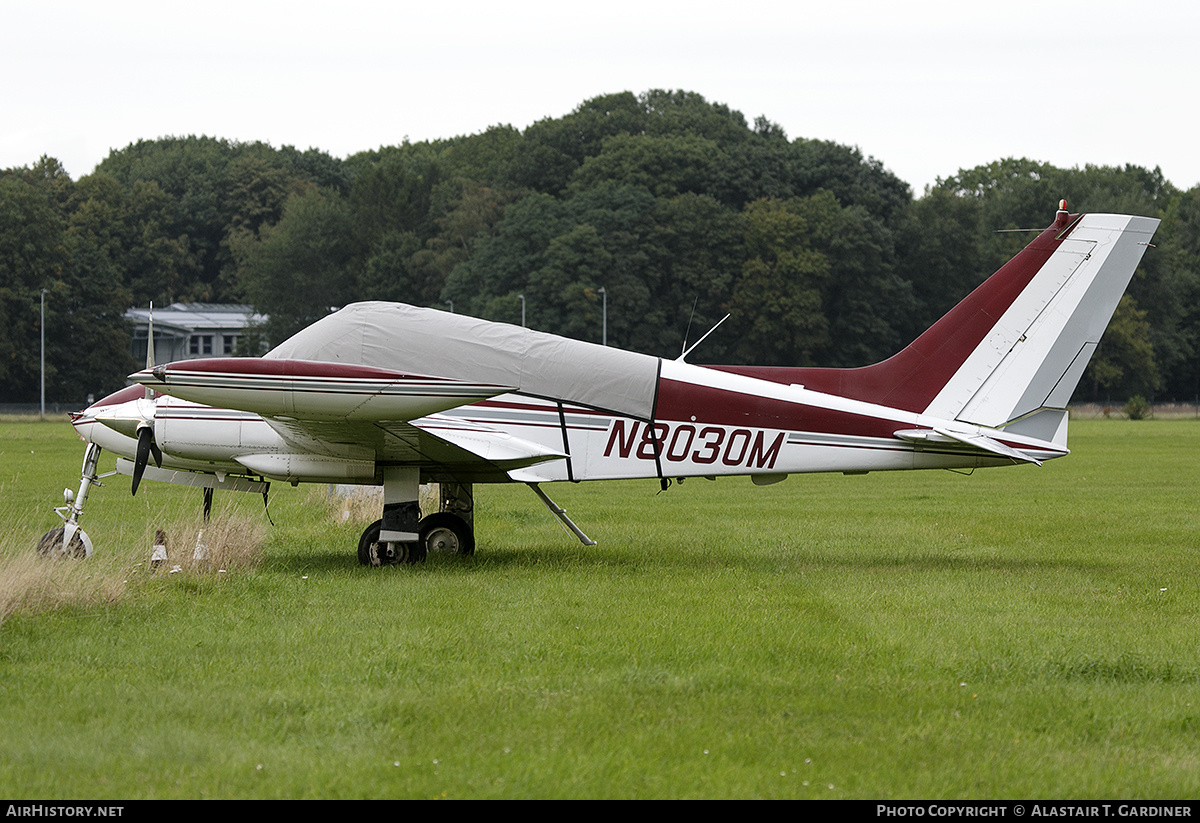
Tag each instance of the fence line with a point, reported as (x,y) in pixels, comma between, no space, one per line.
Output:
(26,409)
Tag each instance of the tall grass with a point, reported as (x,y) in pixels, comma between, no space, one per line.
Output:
(30,584)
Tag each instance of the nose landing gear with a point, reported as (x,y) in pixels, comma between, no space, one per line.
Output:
(69,540)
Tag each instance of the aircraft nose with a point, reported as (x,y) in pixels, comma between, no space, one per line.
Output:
(126,418)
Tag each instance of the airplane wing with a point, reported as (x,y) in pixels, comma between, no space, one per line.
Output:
(312,390)
(339,420)
(434,442)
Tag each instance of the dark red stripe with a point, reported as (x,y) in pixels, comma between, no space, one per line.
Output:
(287,368)
(123,396)
(697,405)
(680,402)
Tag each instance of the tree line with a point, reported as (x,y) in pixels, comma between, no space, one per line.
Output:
(665,209)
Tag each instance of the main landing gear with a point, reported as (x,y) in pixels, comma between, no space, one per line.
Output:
(403,536)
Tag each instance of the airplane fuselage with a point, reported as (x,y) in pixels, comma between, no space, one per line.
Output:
(707,423)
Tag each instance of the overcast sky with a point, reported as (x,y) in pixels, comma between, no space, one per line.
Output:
(925,87)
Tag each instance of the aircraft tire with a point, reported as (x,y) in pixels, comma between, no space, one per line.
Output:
(50,545)
(373,553)
(446,533)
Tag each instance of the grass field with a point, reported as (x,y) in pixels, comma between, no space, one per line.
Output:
(1018,633)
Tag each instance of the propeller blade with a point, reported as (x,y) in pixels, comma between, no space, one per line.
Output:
(156,451)
(145,439)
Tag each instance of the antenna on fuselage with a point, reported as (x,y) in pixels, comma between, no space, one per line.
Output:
(688,330)
(681,357)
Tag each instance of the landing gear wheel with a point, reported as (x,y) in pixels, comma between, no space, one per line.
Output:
(51,545)
(373,553)
(447,533)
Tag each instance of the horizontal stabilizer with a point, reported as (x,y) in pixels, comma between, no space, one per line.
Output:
(978,441)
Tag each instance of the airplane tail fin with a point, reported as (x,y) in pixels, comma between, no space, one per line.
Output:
(1037,325)
(1012,352)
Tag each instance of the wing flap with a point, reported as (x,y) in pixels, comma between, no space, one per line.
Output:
(486,443)
(434,442)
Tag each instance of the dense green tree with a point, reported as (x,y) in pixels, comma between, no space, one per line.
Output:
(695,250)
(562,292)
(503,263)
(759,167)
(86,339)
(32,256)
(1124,363)
(868,305)
(665,166)
(839,301)
(938,251)
(816,165)
(1175,320)
(389,275)
(686,112)
(129,226)
(777,303)
(218,188)
(302,267)
(394,194)
(87,336)
(553,148)
(541,250)
(471,218)
(487,157)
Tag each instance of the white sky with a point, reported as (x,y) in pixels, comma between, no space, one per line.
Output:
(926,87)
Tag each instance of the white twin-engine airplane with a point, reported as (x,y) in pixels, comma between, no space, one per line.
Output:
(393,395)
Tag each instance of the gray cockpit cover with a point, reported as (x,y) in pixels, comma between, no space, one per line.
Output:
(435,343)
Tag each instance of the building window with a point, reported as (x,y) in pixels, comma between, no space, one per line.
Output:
(229,344)
(201,344)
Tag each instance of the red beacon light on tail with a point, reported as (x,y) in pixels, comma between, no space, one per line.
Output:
(1061,218)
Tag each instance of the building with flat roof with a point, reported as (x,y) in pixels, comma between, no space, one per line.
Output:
(187,331)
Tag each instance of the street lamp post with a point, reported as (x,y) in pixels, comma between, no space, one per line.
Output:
(42,407)
(604,316)
(521,297)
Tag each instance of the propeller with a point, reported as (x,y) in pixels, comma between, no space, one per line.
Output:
(145,448)
(146,445)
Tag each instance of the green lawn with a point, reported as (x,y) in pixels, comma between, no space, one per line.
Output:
(1024,632)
